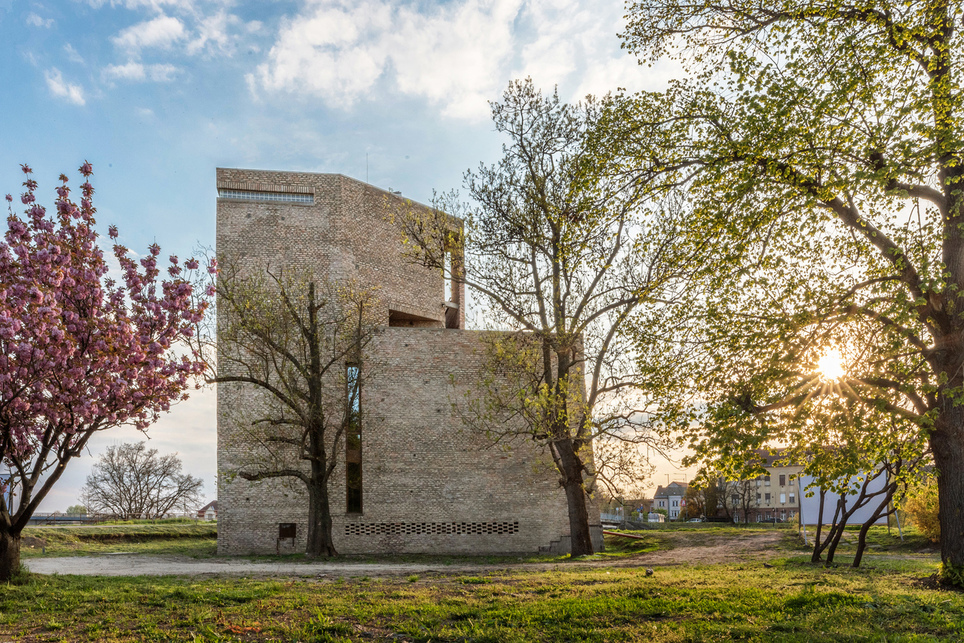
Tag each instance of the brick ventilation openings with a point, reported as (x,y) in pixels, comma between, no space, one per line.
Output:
(431,528)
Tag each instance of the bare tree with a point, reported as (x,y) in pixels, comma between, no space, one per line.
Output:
(294,346)
(131,481)
(744,491)
(574,259)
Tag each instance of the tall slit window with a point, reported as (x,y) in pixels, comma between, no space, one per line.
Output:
(447,275)
(353,440)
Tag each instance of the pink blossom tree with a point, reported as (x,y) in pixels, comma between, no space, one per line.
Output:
(80,352)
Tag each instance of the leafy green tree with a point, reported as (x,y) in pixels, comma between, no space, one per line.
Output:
(821,144)
(563,252)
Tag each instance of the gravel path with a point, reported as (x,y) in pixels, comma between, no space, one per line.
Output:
(691,548)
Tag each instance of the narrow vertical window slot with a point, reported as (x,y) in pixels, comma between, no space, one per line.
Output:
(353,440)
(447,276)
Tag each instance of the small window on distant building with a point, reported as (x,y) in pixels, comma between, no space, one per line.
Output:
(783,480)
(353,441)
(793,498)
(766,480)
(758,497)
(767,498)
(783,498)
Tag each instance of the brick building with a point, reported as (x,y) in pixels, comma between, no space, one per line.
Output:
(428,483)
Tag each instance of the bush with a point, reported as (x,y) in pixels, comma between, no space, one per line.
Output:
(921,506)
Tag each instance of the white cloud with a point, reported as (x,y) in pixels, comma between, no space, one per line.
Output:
(162,73)
(161,32)
(131,71)
(135,71)
(458,55)
(157,5)
(59,87)
(36,21)
(72,54)
(212,33)
(452,55)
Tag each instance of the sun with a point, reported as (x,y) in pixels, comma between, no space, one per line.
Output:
(831,365)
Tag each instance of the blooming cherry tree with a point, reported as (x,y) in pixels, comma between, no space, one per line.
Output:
(80,352)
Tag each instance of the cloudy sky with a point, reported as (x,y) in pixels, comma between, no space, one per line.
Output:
(158,93)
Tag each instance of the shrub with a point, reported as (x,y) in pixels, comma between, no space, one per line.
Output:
(921,505)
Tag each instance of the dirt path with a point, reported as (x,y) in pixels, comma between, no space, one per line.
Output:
(689,548)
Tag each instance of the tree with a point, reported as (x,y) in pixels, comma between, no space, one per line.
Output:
(76,510)
(745,493)
(821,144)
(563,254)
(80,353)
(695,503)
(131,481)
(294,346)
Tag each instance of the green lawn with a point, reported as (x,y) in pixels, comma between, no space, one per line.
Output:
(791,601)
(196,539)
(887,600)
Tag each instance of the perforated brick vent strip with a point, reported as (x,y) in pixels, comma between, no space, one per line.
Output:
(273,197)
(431,528)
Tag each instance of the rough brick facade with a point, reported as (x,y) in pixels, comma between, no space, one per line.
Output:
(430,485)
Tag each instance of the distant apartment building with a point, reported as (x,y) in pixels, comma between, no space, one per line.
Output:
(672,498)
(774,496)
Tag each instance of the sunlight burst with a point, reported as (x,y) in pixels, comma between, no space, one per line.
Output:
(831,364)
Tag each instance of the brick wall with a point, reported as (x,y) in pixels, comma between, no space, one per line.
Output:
(430,484)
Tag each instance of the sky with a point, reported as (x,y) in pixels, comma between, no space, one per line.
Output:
(156,94)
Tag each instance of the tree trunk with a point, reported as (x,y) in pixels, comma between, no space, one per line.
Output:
(837,531)
(581,538)
(9,554)
(319,519)
(817,549)
(947,445)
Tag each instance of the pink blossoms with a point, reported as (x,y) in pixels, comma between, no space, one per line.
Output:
(80,352)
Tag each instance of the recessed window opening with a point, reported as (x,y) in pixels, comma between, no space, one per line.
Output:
(268,197)
(447,275)
(353,440)
(397,318)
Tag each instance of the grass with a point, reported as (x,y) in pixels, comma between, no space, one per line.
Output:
(788,602)
(169,538)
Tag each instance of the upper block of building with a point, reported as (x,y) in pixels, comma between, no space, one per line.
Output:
(340,229)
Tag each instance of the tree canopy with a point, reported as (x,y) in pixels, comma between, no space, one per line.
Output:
(820,143)
(563,252)
(80,352)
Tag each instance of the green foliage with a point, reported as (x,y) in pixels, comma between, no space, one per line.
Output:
(180,538)
(787,602)
(922,506)
(821,144)
(952,574)
(564,252)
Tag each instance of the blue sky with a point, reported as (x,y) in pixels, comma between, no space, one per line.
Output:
(158,93)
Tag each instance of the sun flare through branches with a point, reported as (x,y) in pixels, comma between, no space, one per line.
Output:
(830,365)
